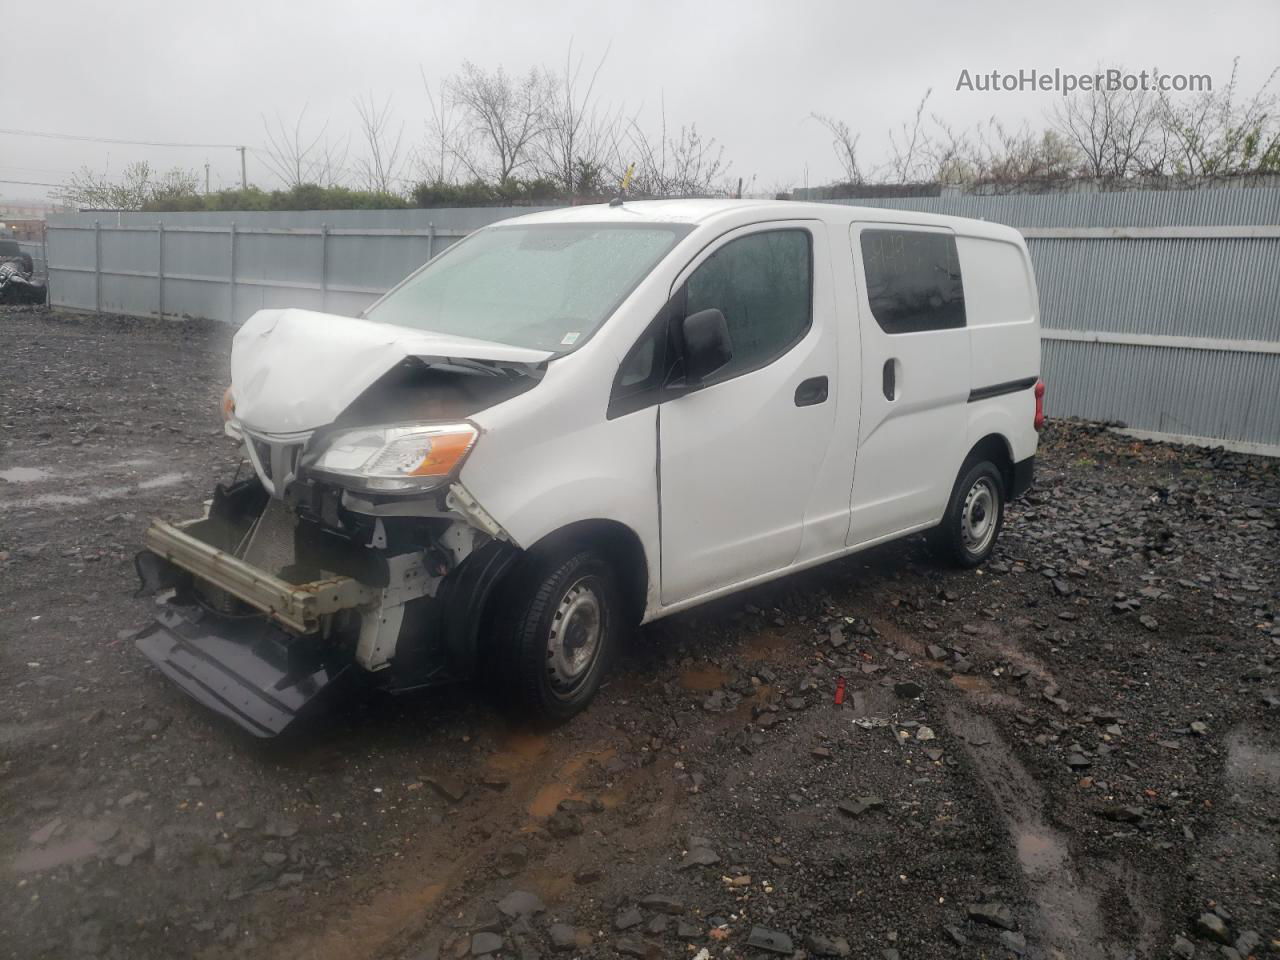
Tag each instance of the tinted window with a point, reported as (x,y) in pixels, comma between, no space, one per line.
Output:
(913,280)
(763,284)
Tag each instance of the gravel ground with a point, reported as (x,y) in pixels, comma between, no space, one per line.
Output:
(1073,752)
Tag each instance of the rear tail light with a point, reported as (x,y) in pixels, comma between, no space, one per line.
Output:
(1039,420)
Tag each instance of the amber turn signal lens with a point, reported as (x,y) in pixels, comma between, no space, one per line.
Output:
(228,404)
(446,451)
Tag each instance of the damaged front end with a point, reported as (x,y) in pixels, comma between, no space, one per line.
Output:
(352,550)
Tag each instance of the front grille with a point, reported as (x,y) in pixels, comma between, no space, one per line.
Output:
(276,461)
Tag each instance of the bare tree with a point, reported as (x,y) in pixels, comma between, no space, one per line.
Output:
(331,163)
(845,144)
(291,154)
(685,164)
(503,119)
(440,157)
(1217,133)
(380,166)
(576,138)
(908,148)
(950,154)
(1117,133)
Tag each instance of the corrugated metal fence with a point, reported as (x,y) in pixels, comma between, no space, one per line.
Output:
(1161,309)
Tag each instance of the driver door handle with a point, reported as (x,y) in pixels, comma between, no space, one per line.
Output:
(811,391)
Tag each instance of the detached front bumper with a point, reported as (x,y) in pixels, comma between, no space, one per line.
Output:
(262,672)
(240,669)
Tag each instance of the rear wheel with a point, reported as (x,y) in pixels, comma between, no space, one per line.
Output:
(558,626)
(975,514)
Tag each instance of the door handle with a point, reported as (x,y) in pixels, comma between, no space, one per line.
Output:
(889,380)
(811,391)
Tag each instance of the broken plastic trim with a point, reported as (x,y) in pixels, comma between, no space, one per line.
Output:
(460,501)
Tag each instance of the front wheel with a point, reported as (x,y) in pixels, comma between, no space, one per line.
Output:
(558,627)
(975,513)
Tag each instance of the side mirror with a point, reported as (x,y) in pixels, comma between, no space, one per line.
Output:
(707,345)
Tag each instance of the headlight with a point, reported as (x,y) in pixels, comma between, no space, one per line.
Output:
(409,459)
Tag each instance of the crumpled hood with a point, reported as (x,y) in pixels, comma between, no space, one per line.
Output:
(296,370)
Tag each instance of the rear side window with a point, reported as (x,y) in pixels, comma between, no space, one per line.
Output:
(913,280)
(763,284)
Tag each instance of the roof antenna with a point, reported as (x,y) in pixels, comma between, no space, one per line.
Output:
(622,190)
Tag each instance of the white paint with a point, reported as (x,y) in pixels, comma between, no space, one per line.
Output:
(909,444)
(735,480)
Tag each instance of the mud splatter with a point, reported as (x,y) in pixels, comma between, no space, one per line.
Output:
(703,678)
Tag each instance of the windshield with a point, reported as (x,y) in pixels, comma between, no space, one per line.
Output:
(545,286)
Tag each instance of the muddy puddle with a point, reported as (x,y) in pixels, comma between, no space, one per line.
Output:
(93,493)
(1252,765)
(703,678)
(1068,920)
(24,475)
(55,855)
(768,644)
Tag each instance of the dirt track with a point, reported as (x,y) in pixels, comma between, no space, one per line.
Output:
(1090,770)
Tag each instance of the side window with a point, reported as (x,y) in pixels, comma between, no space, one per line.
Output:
(913,280)
(763,284)
(643,371)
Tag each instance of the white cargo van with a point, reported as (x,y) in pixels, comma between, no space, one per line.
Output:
(577,421)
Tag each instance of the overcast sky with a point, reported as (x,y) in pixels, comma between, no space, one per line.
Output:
(748,72)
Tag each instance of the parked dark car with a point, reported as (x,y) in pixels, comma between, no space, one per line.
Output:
(10,251)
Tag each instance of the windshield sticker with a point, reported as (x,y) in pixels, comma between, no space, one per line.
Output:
(569,339)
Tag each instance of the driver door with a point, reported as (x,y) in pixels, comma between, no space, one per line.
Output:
(740,453)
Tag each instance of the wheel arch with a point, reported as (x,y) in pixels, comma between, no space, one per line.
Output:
(996,448)
(617,543)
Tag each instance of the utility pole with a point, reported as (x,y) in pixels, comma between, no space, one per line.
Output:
(244,180)
(206,176)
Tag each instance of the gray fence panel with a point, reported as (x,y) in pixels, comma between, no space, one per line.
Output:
(1227,288)
(1226,396)
(206,255)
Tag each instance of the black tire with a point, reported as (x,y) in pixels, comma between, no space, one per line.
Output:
(547,594)
(956,541)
